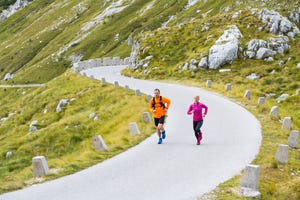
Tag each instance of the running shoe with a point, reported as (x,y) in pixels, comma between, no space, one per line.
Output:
(199,139)
(159,141)
(163,135)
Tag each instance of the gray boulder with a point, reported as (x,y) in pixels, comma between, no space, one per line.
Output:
(225,49)
(263,53)
(61,103)
(220,55)
(193,64)
(32,126)
(253,76)
(281,62)
(185,66)
(279,44)
(255,44)
(250,54)
(203,63)
(282,98)
(270,59)
(7,77)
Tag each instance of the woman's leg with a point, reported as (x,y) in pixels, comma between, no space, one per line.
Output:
(198,126)
(195,129)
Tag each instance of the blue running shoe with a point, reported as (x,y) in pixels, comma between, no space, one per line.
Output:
(163,135)
(159,141)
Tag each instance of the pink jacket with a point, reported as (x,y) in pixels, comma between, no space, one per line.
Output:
(197,108)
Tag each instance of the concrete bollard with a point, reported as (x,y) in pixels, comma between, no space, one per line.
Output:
(40,167)
(208,83)
(261,100)
(103,81)
(146,117)
(282,153)
(274,111)
(228,87)
(247,94)
(127,88)
(286,124)
(249,182)
(116,84)
(133,128)
(148,97)
(293,139)
(98,143)
(138,92)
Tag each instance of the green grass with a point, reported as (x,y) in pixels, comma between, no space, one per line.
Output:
(65,138)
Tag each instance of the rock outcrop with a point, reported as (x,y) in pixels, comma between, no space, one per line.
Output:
(261,49)
(225,49)
(19,4)
(277,24)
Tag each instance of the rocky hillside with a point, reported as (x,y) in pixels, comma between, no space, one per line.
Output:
(44,38)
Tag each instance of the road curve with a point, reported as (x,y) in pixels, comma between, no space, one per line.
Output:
(176,170)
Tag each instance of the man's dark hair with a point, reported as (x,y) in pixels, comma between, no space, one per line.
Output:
(156,89)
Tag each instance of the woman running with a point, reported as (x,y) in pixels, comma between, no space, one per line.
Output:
(197,110)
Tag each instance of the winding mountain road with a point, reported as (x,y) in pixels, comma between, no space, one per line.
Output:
(176,170)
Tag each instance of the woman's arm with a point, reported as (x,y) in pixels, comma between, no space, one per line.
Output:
(190,110)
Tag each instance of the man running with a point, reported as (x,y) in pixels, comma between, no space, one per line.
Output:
(159,107)
(196,109)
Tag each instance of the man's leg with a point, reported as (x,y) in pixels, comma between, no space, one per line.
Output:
(161,127)
(156,122)
(158,128)
(162,130)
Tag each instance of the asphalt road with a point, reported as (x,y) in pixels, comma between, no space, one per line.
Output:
(176,170)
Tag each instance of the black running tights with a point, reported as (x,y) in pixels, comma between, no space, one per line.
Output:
(197,125)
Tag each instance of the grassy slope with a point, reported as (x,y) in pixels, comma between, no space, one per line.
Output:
(63,135)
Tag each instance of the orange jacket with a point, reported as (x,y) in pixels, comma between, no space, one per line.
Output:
(159,110)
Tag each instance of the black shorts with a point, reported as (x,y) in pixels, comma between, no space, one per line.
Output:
(159,120)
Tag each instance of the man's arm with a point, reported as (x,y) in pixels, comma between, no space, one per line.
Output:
(167,102)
